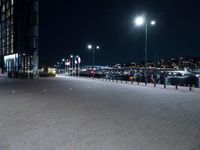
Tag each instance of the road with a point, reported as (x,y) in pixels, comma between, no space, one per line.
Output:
(83,114)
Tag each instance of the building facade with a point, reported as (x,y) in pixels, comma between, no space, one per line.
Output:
(19,36)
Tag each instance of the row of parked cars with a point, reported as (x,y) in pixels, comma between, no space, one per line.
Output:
(158,77)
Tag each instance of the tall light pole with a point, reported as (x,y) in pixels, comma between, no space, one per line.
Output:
(58,67)
(140,21)
(67,64)
(63,60)
(75,63)
(72,60)
(91,47)
(78,62)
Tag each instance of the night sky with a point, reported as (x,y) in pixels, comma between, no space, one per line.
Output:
(67,26)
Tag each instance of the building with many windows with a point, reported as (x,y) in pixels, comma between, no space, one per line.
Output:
(19,32)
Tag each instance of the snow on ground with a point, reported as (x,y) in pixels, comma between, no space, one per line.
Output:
(83,114)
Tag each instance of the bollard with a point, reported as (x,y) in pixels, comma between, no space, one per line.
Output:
(176,87)
(164,80)
(154,81)
(138,82)
(190,87)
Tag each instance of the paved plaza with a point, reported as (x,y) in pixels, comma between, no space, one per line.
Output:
(66,113)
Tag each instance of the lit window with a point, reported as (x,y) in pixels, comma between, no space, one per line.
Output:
(3,8)
(11,20)
(36,6)
(3,17)
(7,5)
(8,13)
(35,30)
(12,11)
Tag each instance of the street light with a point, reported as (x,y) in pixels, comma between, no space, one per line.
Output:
(153,22)
(67,64)
(78,61)
(140,21)
(63,60)
(91,47)
(97,47)
(72,56)
(75,63)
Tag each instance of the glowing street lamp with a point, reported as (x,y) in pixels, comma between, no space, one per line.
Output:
(72,60)
(78,61)
(153,22)
(63,61)
(97,47)
(140,21)
(91,47)
(67,63)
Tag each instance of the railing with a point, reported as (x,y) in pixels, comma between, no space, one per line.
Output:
(189,87)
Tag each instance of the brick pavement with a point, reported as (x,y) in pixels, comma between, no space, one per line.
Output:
(81,114)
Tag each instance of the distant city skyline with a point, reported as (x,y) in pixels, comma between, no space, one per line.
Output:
(176,63)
